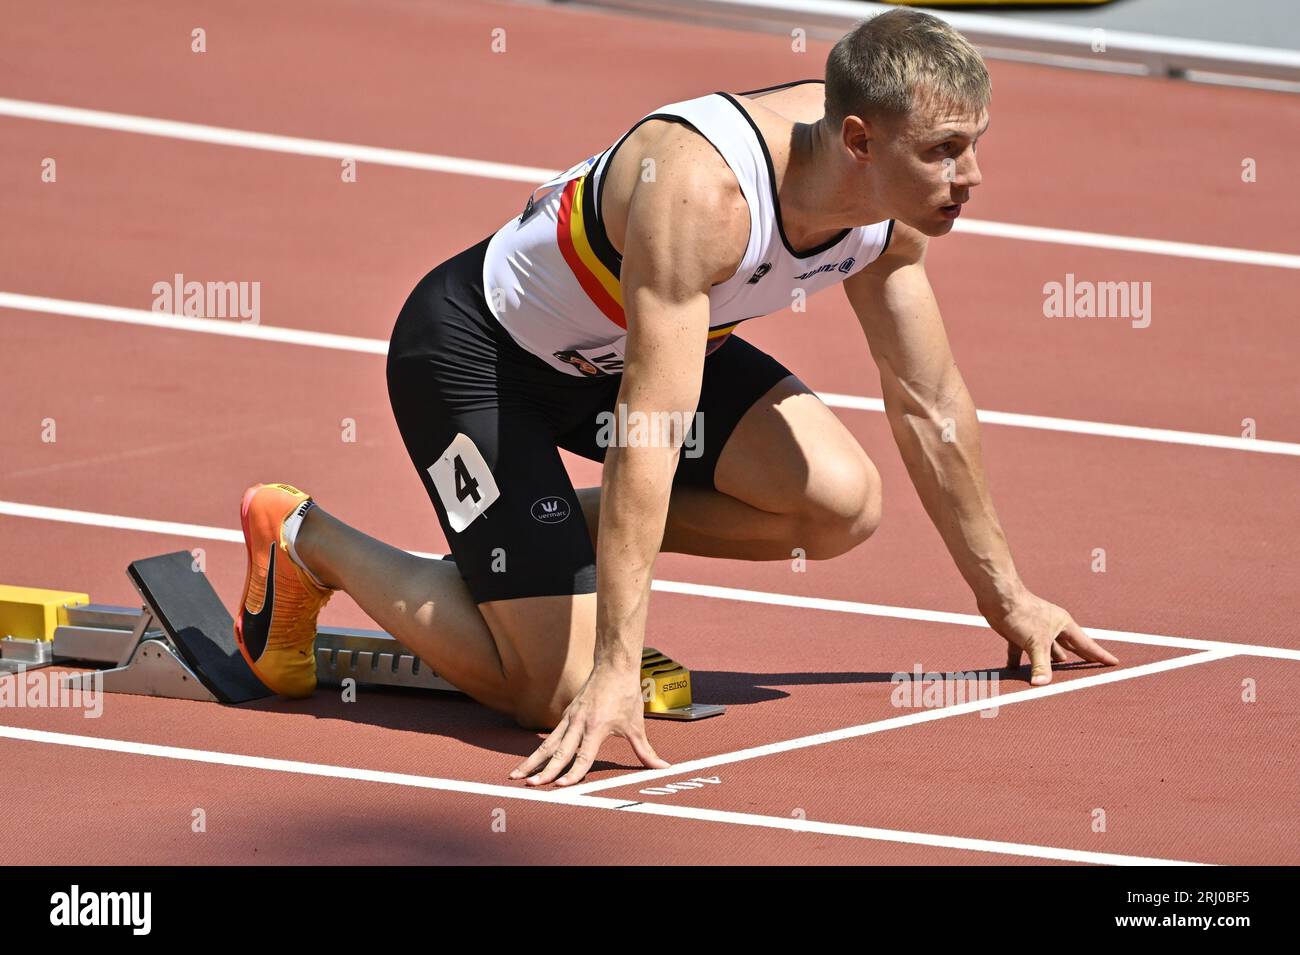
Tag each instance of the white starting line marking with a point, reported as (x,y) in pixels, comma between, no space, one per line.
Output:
(681,785)
(566,798)
(375,346)
(224,136)
(896,722)
(580,795)
(897,835)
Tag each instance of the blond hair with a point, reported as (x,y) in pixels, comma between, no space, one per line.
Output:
(893,62)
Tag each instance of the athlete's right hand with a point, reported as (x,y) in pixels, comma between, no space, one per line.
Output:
(609,704)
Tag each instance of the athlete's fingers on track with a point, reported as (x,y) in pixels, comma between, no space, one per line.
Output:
(1040,659)
(644,751)
(583,761)
(543,752)
(1086,647)
(561,757)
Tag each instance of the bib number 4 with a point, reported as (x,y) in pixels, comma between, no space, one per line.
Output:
(466,486)
(464,483)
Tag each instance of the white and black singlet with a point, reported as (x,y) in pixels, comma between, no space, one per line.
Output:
(514,348)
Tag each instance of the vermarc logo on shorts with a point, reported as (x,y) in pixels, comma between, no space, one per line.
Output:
(550,510)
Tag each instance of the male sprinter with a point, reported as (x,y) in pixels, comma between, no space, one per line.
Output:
(616,290)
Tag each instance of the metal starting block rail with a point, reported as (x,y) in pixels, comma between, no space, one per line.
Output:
(180,645)
(141,659)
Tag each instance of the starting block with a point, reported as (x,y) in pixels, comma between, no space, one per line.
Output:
(28,619)
(181,645)
(666,689)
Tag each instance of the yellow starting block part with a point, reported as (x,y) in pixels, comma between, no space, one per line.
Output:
(30,613)
(665,684)
(666,689)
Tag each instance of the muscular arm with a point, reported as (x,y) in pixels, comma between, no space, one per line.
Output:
(932,415)
(934,422)
(684,228)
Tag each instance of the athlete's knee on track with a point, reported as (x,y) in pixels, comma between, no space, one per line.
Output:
(844,506)
(546,646)
(538,718)
(542,707)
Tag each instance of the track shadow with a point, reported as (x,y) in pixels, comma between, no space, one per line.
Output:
(733,688)
(456,716)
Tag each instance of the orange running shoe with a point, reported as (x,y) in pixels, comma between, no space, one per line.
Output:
(278,637)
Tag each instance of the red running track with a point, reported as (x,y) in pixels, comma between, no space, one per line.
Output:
(1199,541)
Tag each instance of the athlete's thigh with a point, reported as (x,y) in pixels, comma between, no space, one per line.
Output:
(515,530)
(500,490)
(547,645)
(784,451)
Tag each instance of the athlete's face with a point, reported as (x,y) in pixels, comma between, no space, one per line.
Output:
(926,165)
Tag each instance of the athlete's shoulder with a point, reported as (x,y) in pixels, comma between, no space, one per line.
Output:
(905,246)
(688,205)
(802,101)
(688,166)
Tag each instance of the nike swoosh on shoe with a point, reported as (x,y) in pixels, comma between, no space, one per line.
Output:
(257,626)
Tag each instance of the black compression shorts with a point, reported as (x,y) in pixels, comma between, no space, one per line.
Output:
(482,420)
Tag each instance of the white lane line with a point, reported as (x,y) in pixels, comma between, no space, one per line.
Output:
(562,797)
(911,719)
(1125,243)
(134,748)
(1098,428)
(64,515)
(958,619)
(203,532)
(897,835)
(224,136)
(296,145)
(183,323)
(376,346)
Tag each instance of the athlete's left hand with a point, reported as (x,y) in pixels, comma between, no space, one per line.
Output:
(1045,631)
(609,704)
